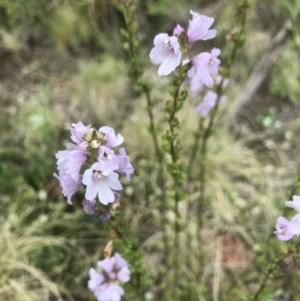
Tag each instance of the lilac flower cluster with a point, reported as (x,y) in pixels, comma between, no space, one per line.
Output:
(285,229)
(170,52)
(92,153)
(104,285)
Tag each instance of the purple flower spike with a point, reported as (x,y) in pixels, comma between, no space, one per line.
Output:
(178,30)
(295,203)
(68,185)
(199,28)
(124,164)
(99,181)
(208,103)
(282,229)
(166,51)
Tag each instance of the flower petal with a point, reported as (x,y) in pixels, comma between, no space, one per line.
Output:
(105,194)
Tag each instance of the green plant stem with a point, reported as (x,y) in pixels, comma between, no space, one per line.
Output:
(174,160)
(175,173)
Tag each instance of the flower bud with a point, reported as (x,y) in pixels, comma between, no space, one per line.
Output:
(89,135)
(95,144)
(99,135)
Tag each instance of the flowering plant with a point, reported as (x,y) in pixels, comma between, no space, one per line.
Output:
(104,285)
(91,161)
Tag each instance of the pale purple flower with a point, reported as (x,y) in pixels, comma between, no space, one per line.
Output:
(78,130)
(178,30)
(295,203)
(203,66)
(103,285)
(196,85)
(96,279)
(166,51)
(71,161)
(122,267)
(116,268)
(104,291)
(107,155)
(68,184)
(282,229)
(208,103)
(99,180)
(109,292)
(89,207)
(62,159)
(75,160)
(124,164)
(110,136)
(294,225)
(199,28)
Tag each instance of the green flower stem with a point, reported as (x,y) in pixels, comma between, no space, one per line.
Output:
(172,146)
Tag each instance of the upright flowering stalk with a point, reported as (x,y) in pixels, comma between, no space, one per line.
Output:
(105,283)
(172,54)
(91,161)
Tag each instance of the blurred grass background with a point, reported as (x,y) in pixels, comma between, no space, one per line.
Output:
(61,61)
